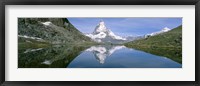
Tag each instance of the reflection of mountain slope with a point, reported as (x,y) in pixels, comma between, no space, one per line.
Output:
(51,57)
(102,52)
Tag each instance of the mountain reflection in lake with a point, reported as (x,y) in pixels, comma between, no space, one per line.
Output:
(109,56)
(100,56)
(52,57)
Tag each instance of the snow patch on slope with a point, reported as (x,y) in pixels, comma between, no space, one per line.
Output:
(46,23)
(115,36)
(100,35)
(47,62)
(29,37)
(32,50)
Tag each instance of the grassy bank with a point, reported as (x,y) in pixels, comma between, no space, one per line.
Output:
(167,44)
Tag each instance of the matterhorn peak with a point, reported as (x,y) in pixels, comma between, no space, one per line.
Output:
(103,34)
(101,22)
(100,27)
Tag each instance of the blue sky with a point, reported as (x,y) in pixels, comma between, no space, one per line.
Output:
(126,26)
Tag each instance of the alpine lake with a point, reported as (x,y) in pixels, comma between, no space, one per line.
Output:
(96,56)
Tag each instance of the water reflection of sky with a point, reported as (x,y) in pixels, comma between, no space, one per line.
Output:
(102,56)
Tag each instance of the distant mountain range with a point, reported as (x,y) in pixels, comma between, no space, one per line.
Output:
(102,34)
(166,29)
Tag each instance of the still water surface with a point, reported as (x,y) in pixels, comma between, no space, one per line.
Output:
(100,56)
(120,57)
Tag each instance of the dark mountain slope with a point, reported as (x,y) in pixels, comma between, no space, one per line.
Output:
(49,30)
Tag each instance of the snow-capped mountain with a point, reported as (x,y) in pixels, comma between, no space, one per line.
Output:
(166,29)
(103,34)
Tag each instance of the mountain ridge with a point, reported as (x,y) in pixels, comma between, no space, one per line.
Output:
(168,44)
(49,30)
(53,30)
(166,29)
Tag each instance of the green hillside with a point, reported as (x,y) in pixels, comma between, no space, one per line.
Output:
(167,44)
(33,32)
